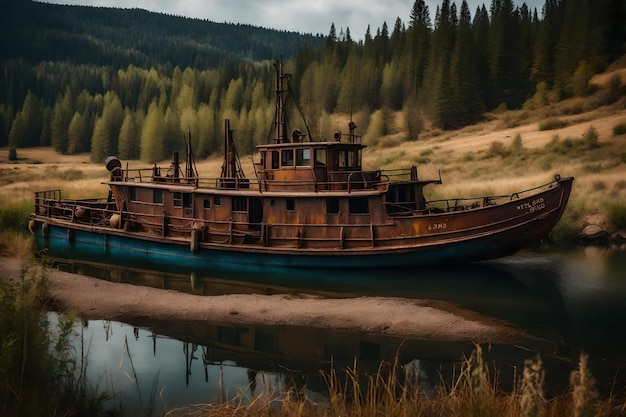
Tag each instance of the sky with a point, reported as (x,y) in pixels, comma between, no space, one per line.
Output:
(304,16)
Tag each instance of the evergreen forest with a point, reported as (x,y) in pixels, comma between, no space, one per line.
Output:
(133,83)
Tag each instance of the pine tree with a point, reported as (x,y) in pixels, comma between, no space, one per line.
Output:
(437,78)
(418,38)
(207,138)
(6,119)
(465,105)
(130,136)
(76,135)
(331,39)
(173,136)
(505,59)
(545,44)
(32,115)
(152,135)
(576,54)
(60,122)
(107,128)
(19,129)
(480,39)
(391,92)
(350,85)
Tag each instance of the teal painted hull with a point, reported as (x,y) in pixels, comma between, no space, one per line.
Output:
(115,248)
(494,240)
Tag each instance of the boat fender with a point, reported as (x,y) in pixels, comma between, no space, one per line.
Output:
(194,242)
(32,224)
(115,221)
(81,212)
(199,226)
(45,229)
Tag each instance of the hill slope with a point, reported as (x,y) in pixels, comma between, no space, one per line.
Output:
(119,37)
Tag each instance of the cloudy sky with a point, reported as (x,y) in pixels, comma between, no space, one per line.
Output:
(305,16)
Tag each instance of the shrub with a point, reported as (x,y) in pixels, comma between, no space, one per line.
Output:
(71,174)
(38,374)
(617,214)
(552,124)
(14,215)
(517,147)
(558,146)
(591,139)
(619,129)
(599,185)
(593,168)
(566,231)
(468,157)
(619,185)
(497,148)
(12,153)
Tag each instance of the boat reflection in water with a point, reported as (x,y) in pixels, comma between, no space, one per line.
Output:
(253,356)
(524,297)
(536,292)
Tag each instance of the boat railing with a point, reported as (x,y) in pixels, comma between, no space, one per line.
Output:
(469,203)
(102,213)
(340,180)
(49,203)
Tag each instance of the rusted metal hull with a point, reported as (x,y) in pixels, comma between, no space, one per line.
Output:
(439,238)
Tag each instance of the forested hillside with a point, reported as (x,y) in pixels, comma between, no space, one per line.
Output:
(130,82)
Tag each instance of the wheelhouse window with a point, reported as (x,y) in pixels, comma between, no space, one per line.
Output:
(157,197)
(290,204)
(287,158)
(240,204)
(275,159)
(207,203)
(217,200)
(349,158)
(359,205)
(320,157)
(303,157)
(178,199)
(182,199)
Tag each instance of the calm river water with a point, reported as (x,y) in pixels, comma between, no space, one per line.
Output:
(567,302)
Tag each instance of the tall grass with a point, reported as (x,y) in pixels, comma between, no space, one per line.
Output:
(39,372)
(396,391)
(565,233)
(617,214)
(14,237)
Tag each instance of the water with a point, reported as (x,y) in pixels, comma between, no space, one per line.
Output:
(566,302)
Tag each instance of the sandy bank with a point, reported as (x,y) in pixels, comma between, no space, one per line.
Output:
(423,319)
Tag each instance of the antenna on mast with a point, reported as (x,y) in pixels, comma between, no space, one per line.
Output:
(191,172)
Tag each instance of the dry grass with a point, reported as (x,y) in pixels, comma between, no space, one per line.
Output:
(396,391)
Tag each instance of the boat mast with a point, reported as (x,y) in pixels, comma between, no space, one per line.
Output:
(280,116)
(231,167)
(191,172)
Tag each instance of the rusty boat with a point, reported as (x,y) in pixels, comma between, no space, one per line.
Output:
(310,204)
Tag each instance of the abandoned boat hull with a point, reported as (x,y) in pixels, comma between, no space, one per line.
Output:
(500,239)
(310,204)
